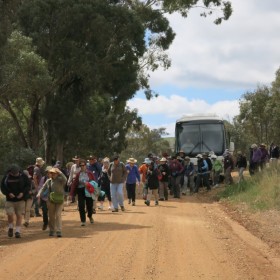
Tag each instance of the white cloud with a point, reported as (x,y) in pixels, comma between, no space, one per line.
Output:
(164,110)
(240,53)
(231,58)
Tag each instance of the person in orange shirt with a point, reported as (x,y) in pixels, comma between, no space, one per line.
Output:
(143,172)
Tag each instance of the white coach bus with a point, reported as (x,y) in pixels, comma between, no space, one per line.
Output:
(199,134)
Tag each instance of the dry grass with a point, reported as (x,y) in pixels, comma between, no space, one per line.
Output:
(260,192)
(2,204)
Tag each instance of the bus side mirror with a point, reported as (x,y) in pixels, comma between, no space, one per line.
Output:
(231,147)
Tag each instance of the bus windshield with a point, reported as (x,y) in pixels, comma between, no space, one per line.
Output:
(194,138)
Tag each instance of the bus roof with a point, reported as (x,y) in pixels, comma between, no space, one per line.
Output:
(199,118)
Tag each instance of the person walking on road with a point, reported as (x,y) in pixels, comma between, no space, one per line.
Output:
(152,183)
(163,182)
(15,185)
(117,174)
(84,196)
(55,186)
(133,176)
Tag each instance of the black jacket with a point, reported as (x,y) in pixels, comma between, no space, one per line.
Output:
(15,185)
(152,179)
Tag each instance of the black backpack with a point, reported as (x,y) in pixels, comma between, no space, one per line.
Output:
(210,165)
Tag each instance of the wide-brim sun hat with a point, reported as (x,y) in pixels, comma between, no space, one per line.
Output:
(199,156)
(254,146)
(48,168)
(131,160)
(163,159)
(54,170)
(39,161)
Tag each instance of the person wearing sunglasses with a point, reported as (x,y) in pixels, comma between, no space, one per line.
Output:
(84,196)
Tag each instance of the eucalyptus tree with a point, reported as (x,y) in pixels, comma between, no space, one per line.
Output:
(274,108)
(25,79)
(142,141)
(92,49)
(255,116)
(98,54)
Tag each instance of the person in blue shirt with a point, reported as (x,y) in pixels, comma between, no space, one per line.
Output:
(133,176)
(94,166)
(202,174)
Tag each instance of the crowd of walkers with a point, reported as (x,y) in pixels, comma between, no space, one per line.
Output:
(46,189)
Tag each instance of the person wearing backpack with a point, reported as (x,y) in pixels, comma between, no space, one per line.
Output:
(15,185)
(189,176)
(104,183)
(163,180)
(117,174)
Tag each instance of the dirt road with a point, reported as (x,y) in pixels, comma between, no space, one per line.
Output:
(190,238)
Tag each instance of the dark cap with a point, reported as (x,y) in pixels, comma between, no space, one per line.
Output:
(115,157)
(14,169)
(92,157)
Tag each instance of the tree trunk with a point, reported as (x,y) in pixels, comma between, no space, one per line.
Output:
(6,105)
(59,151)
(34,127)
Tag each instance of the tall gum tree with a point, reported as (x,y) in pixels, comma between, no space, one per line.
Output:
(100,49)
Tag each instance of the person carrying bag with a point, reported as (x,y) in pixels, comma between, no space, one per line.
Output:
(55,185)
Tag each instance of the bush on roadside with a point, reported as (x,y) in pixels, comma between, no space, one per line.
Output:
(259,192)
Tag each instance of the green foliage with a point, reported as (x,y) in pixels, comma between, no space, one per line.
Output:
(261,192)
(210,6)
(69,68)
(141,142)
(259,116)
(25,80)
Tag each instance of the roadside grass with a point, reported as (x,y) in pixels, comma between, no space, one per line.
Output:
(260,192)
(2,204)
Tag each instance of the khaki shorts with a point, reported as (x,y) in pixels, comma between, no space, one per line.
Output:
(14,207)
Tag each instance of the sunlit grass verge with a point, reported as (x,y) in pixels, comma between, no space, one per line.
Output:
(2,204)
(259,192)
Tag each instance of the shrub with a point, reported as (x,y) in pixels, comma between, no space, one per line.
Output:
(259,192)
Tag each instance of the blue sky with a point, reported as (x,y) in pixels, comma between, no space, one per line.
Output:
(213,66)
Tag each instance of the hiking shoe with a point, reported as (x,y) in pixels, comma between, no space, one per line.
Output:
(10,232)
(58,234)
(51,233)
(156,203)
(115,210)
(133,203)
(129,201)
(38,215)
(161,199)
(26,224)
(17,235)
(44,227)
(122,208)
(147,202)
(91,220)
(83,224)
